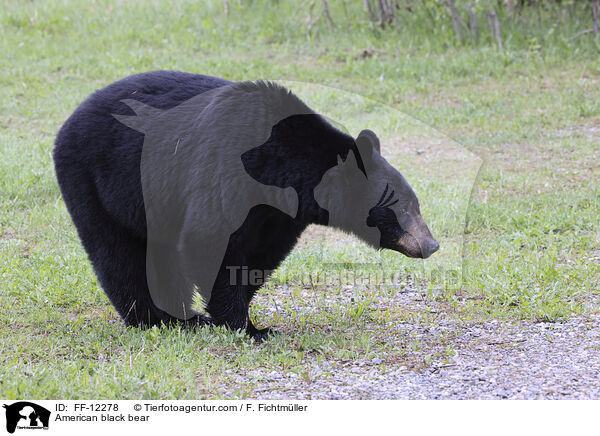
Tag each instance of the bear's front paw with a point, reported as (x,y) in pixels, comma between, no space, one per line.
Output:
(261,335)
(196,321)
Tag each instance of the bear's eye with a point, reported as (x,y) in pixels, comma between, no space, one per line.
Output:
(389,201)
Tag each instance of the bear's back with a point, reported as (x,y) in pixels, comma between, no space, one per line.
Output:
(94,147)
(92,125)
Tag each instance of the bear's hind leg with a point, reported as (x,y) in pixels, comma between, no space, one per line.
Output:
(120,264)
(117,255)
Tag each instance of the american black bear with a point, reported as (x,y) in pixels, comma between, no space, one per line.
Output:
(327,176)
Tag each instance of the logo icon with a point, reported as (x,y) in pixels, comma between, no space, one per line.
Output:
(26,415)
(209,164)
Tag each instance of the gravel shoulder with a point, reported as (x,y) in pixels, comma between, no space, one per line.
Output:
(487,360)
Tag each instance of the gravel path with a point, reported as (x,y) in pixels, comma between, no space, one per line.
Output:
(493,361)
(490,360)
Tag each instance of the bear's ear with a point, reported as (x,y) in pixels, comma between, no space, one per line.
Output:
(368,137)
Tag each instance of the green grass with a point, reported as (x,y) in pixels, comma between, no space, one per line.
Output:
(526,249)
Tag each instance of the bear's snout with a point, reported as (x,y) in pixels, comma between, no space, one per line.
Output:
(429,247)
(408,245)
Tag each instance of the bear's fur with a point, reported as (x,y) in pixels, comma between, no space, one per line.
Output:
(97,162)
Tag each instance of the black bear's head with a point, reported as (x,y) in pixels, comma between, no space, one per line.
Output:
(380,207)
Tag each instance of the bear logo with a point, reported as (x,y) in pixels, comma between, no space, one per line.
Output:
(197,192)
(24,414)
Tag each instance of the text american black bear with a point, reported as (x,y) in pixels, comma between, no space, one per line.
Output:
(339,181)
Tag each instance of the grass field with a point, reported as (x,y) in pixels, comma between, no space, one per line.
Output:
(530,248)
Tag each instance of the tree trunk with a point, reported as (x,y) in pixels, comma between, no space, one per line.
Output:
(595,7)
(456,20)
(473,24)
(494,24)
(386,12)
(327,16)
(370,11)
(540,27)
